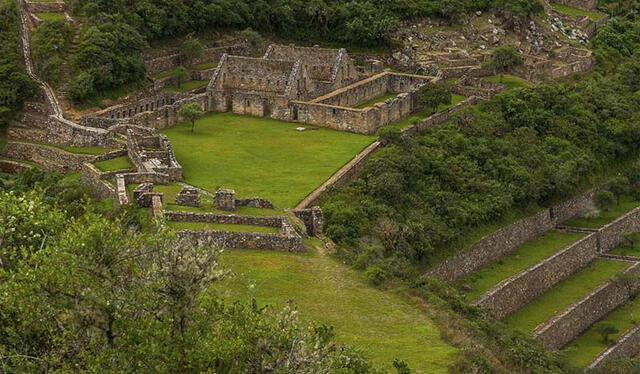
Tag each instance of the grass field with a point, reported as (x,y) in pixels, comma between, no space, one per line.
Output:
(202,226)
(187,86)
(509,80)
(606,216)
(596,16)
(115,164)
(261,157)
(587,346)
(382,324)
(564,294)
(376,100)
(525,257)
(627,250)
(51,16)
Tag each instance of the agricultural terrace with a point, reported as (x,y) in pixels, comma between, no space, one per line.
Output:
(261,157)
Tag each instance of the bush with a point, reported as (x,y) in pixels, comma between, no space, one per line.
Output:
(604,200)
(376,275)
(81,87)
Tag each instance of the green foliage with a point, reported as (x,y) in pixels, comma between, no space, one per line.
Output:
(191,48)
(191,112)
(99,297)
(503,59)
(432,94)
(180,75)
(605,330)
(15,85)
(376,275)
(252,37)
(50,43)
(604,200)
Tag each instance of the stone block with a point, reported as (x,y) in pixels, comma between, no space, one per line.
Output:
(225,199)
(189,196)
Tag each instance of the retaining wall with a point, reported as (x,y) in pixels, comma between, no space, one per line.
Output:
(50,158)
(242,240)
(267,221)
(627,346)
(611,235)
(163,63)
(570,323)
(93,178)
(513,293)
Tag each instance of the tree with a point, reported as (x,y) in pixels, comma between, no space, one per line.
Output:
(433,94)
(180,75)
(452,10)
(252,37)
(191,112)
(191,49)
(619,186)
(604,200)
(503,59)
(606,330)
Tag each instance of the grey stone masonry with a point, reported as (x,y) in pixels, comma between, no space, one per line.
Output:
(189,196)
(225,199)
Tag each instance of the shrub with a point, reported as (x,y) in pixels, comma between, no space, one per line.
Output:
(604,200)
(376,275)
(81,87)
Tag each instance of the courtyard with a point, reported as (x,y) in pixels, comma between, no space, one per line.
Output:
(261,157)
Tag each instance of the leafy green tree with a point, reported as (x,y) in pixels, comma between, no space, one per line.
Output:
(191,49)
(619,186)
(453,10)
(606,330)
(50,44)
(81,87)
(432,95)
(604,200)
(191,112)
(503,59)
(252,37)
(180,75)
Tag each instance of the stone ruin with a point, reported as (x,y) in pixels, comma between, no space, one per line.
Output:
(225,199)
(153,153)
(189,196)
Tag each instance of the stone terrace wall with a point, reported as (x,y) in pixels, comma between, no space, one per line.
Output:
(13,167)
(611,235)
(513,293)
(581,4)
(500,243)
(627,346)
(50,158)
(570,323)
(208,54)
(46,7)
(242,240)
(93,178)
(267,221)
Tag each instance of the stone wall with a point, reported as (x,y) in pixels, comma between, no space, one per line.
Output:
(513,293)
(570,323)
(95,179)
(581,4)
(242,240)
(627,346)
(500,243)
(163,63)
(610,235)
(13,167)
(50,158)
(254,202)
(268,221)
(313,220)
(46,7)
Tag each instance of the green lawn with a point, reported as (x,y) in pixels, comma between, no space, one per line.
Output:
(51,16)
(205,65)
(606,216)
(382,324)
(509,80)
(115,164)
(261,157)
(564,294)
(596,16)
(376,100)
(187,86)
(202,226)
(627,250)
(524,258)
(425,113)
(587,346)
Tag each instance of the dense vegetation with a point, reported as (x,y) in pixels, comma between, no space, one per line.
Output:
(50,43)
(87,293)
(15,85)
(522,149)
(109,54)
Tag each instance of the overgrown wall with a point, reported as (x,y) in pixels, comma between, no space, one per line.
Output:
(627,346)
(50,158)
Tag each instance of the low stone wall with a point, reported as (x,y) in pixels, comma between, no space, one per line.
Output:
(627,346)
(313,220)
(95,179)
(242,240)
(266,221)
(46,7)
(13,167)
(50,158)
(163,63)
(254,202)
(570,323)
(580,4)
(610,235)
(500,243)
(513,293)
(440,117)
